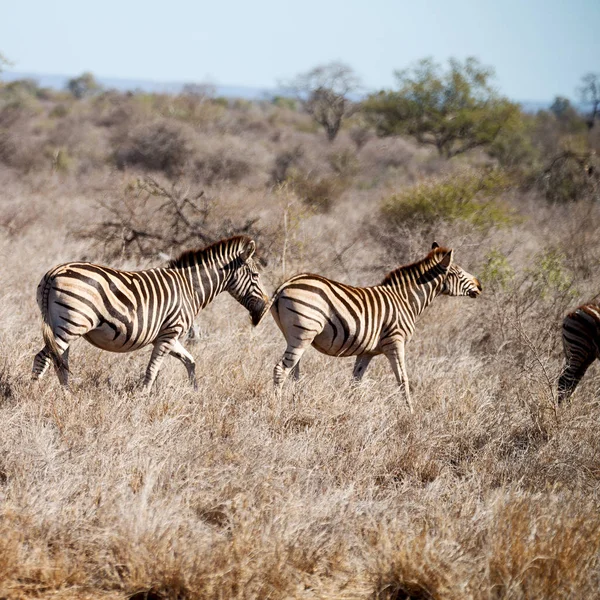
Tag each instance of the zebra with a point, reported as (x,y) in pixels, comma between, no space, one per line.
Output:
(581,344)
(342,320)
(122,311)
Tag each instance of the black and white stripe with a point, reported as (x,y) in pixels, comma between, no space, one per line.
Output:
(341,320)
(122,311)
(581,343)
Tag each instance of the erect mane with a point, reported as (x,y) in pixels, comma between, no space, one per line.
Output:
(418,267)
(231,245)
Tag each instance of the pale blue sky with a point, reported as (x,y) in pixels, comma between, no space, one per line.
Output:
(539,49)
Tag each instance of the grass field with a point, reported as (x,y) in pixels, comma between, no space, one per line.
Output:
(489,491)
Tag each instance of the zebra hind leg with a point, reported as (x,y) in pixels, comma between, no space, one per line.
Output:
(41,362)
(571,375)
(62,370)
(288,363)
(296,371)
(44,358)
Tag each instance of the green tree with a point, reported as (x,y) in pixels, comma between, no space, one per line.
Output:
(324,94)
(454,110)
(84,85)
(567,116)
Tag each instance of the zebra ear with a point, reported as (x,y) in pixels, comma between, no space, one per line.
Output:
(447,259)
(248,251)
(434,245)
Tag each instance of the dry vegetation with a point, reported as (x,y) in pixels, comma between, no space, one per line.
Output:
(489,491)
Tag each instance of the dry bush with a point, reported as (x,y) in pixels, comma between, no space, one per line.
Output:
(344,163)
(221,166)
(159,146)
(150,219)
(283,162)
(360,135)
(570,177)
(318,193)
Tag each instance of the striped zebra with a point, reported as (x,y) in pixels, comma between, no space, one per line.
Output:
(581,343)
(341,320)
(122,311)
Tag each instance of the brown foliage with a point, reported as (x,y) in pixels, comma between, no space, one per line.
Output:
(160,146)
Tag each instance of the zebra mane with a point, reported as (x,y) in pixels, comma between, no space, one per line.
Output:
(418,268)
(230,246)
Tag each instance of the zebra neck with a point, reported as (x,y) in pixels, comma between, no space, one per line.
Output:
(414,292)
(206,281)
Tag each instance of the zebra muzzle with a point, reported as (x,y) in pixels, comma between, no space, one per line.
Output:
(258,310)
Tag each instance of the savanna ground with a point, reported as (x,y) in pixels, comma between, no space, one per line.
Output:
(490,490)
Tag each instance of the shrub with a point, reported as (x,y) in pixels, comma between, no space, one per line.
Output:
(343,163)
(160,146)
(283,161)
(549,277)
(360,135)
(319,193)
(497,272)
(468,196)
(221,167)
(571,176)
(59,111)
(285,102)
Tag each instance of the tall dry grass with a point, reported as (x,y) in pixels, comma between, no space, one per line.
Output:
(333,491)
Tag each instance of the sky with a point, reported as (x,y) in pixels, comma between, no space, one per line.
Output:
(538,48)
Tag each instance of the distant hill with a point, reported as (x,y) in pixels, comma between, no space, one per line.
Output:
(58,82)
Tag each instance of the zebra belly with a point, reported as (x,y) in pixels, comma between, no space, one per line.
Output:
(104,337)
(326,343)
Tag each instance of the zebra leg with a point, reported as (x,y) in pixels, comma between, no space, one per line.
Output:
(396,357)
(290,360)
(296,371)
(178,351)
(162,347)
(360,366)
(41,362)
(571,375)
(62,371)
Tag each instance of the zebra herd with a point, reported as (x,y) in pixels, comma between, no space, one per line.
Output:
(122,311)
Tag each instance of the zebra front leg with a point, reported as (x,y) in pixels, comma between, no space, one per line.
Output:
(360,366)
(160,350)
(41,362)
(396,357)
(188,360)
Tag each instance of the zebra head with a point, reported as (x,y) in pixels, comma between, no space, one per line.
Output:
(245,285)
(457,281)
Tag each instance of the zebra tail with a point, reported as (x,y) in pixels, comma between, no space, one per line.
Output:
(265,311)
(47,329)
(272,301)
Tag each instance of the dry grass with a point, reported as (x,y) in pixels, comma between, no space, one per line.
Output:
(488,491)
